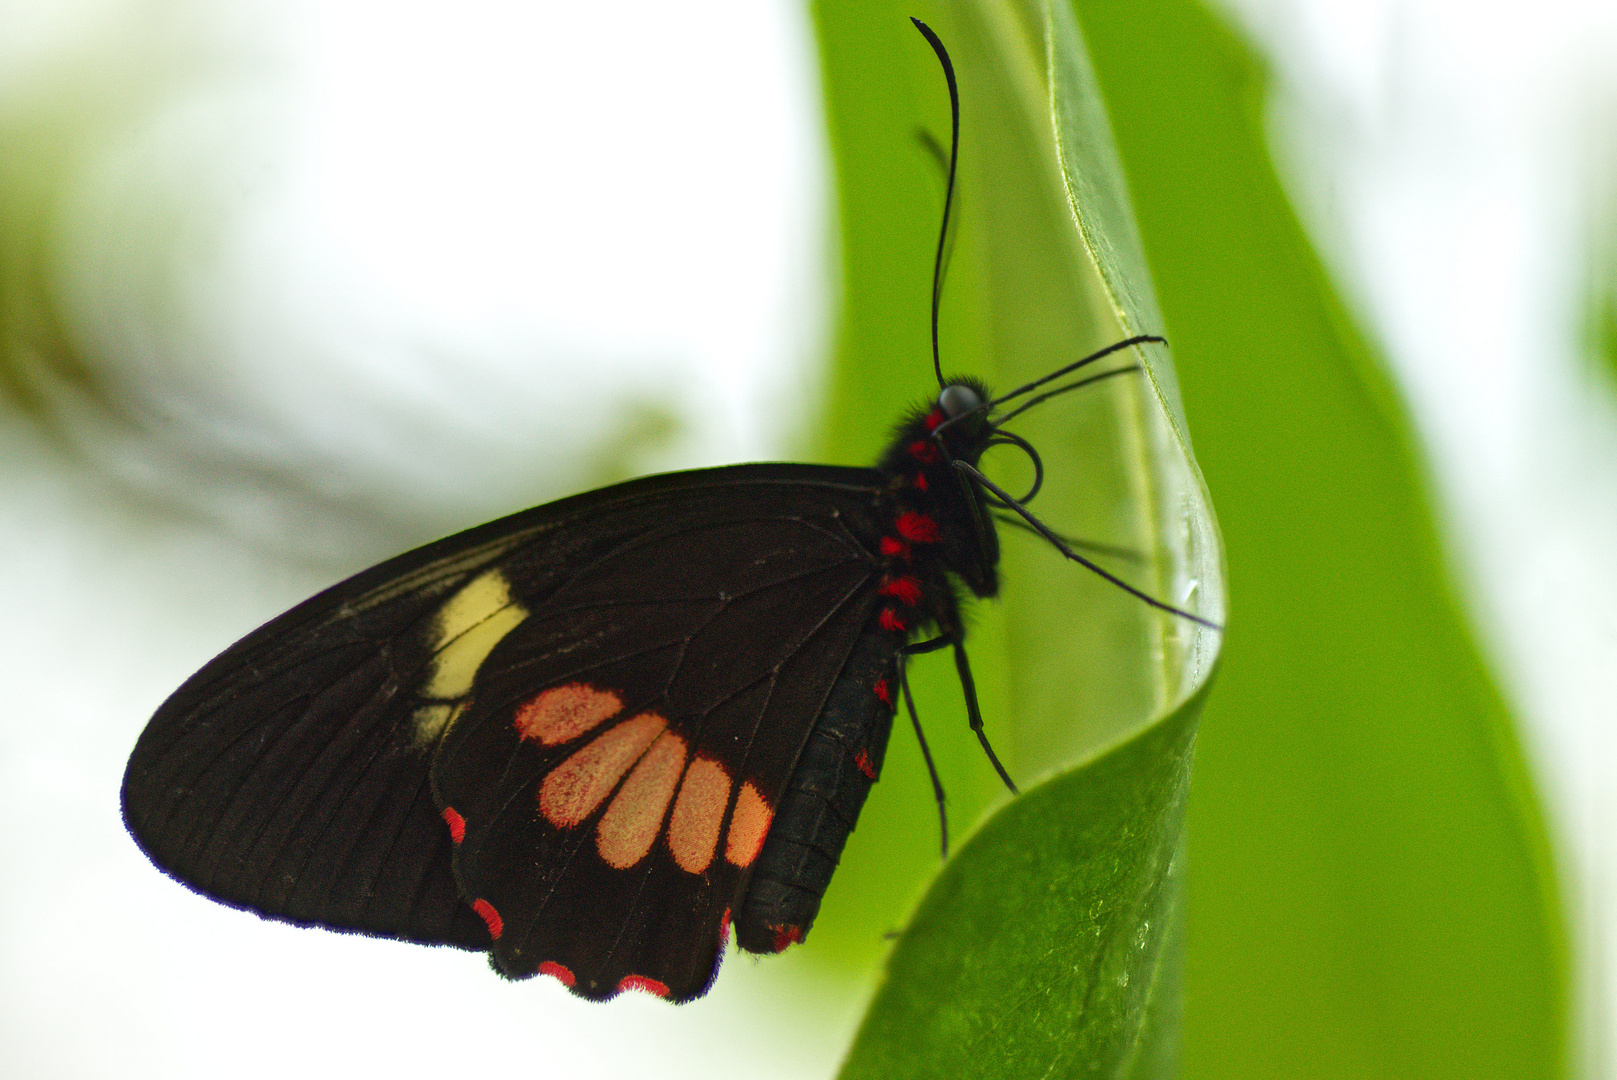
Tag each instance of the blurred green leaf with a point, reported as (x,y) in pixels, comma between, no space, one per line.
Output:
(1061,909)
(1370,890)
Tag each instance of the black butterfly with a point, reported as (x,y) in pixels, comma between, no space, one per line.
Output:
(592,737)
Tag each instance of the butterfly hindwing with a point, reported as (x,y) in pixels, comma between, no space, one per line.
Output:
(291,774)
(617,764)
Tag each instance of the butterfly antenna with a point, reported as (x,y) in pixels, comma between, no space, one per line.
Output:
(926,753)
(1045,531)
(1094,546)
(1000,421)
(1099,354)
(948,194)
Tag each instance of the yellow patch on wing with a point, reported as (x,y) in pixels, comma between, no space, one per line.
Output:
(466,630)
(431,721)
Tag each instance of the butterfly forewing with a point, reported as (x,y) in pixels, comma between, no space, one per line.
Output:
(291,774)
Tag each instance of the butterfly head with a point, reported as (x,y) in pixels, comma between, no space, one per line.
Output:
(957,421)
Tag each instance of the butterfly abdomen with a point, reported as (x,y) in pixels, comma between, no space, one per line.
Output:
(826,791)
(931,527)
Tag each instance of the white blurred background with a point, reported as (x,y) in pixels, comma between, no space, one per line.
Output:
(322,280)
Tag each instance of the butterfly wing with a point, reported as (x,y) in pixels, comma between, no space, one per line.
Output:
(617,764)
(293,775)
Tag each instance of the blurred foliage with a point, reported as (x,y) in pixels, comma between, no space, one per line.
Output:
(1370,889)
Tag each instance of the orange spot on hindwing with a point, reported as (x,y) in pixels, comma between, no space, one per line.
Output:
(630,825)
(578,785)
(563,713)
(748,826)
(693,831)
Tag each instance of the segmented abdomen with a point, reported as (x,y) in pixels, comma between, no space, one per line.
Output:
(821,804)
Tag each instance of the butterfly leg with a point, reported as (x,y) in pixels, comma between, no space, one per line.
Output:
(926,753)
(954,636)
(975,715)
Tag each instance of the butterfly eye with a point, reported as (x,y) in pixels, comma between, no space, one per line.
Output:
(957,400)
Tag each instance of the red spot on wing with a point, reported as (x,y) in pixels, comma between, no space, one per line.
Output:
(893,547)
(917,527)
(559,972)
(495,924)
(920,481)
(724,930)
(749,824)
(884,692)
(907,589)
(863,763)
(890,621)
(456,823)
(925,450)
(643,983)
(786,936)
(563,713)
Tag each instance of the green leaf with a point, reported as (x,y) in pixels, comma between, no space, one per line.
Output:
(1045,943)
(1370,889)
(1049,947)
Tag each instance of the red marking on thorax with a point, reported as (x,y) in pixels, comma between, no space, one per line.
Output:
(890,621)
(892,547)
(558,972)
(643,983)
(925,451)
(495,924)
(917,527)
(934,418)
(563,713)
(456,823)
(907,589)
(786,936)
(883,692)
(862,762)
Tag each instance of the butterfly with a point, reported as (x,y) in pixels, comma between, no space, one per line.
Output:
(597,737)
